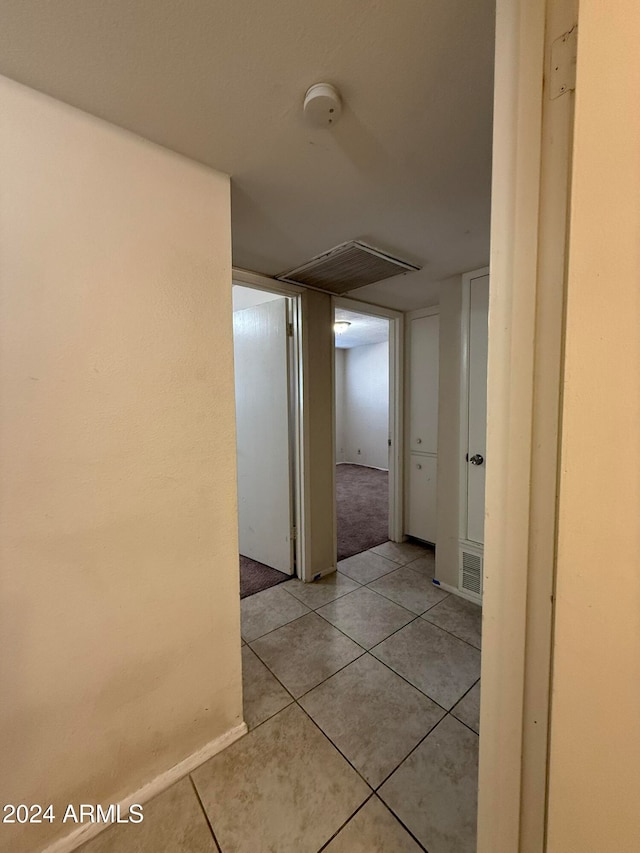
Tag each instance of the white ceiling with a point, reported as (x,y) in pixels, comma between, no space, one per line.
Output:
(406,169)
(364,330)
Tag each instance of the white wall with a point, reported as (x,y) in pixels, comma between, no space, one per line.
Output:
(340,359)
(594,778)
(247,297)
(120,610)
(448,508)
(366,405)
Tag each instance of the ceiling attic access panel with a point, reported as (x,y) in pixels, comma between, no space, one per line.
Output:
(347,267)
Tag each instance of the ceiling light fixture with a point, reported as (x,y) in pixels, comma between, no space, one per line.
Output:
(341,326)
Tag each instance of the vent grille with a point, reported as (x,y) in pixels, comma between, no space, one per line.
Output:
(471,572)
(347,267)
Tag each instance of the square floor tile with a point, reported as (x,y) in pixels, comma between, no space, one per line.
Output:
(373,830)
(425,565)
(372,716)
(459,617)
(410,589)
(366,567)
(267,610)
(173,823)
(400,552)
(305,652)
(440,665)
(322,591)
(434,792)
(468,708)
(365,616)
(262,694)
(283,787)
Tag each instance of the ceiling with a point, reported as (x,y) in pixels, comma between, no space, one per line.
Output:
(364,330)
(406,169)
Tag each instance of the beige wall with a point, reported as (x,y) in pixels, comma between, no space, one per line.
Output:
(319,454)
(119,631)
(595,737)
(448,507)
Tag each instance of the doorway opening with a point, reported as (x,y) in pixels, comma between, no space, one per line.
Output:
(266,370)
(367,426)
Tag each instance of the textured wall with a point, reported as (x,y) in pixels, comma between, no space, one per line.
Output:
(319,406)
(594,781)
(119,631)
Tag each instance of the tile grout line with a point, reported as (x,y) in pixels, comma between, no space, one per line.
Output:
(204,812)
(462,640)
(369,652)
(340,752)
(348,820)
(409,754)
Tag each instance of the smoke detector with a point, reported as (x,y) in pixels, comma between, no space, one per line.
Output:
(322,105)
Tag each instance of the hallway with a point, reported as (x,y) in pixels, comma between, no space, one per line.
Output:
(361,693)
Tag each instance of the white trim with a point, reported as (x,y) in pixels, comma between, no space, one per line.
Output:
(147,792)
(297,366)
(465,317)
(367,308)
(454,590)
(532,145)
(263,282)
(361,465)
(396,406)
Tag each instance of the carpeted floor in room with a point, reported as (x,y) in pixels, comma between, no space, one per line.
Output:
(255,576)
(362,497)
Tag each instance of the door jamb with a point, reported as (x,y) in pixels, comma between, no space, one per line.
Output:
(467,278)
(396,405)
(532,150)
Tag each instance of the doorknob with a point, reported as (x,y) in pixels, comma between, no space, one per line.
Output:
(477,459)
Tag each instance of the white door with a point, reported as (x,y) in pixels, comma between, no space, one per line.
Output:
(477,436)
(261,348)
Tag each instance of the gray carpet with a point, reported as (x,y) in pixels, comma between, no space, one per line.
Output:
(362,496)
(255,576)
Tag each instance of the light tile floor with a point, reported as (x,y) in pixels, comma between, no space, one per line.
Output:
(361,694)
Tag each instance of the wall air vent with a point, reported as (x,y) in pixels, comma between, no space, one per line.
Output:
(346,267)
(470,580)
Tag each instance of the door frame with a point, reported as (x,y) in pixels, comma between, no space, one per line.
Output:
(256,281)
(467,278)
(396,406)
(531,184)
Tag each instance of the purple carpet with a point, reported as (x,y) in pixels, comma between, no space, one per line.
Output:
(362,496)
(255,576)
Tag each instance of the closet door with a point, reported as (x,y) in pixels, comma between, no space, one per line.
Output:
(423,384)
(422,497)
(422,460)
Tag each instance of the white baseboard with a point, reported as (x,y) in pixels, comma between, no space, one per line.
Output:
(461,593)
(156,786)
(330,571)
(362,465)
